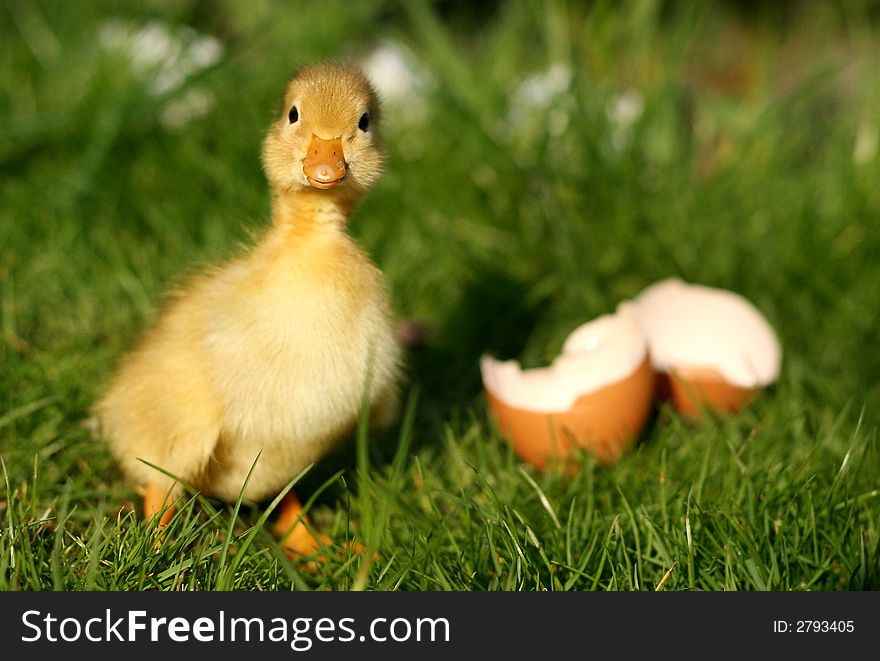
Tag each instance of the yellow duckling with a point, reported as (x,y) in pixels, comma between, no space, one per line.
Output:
(271,354)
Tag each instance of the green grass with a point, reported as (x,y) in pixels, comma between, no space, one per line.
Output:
(753,166)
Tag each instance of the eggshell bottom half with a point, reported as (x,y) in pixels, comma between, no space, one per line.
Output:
(693,388)
(605,422)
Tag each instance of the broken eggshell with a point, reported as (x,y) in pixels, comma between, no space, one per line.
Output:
(596,394)
(711,347)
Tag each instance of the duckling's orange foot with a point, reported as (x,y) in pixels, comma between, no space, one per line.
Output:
(298,536)
(158,503)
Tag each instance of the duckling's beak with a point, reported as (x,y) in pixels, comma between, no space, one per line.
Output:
(324,164)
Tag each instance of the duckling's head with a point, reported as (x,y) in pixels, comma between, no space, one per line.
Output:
(326,136)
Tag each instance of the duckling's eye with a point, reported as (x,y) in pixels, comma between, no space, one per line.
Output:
(364,122)
(293,115)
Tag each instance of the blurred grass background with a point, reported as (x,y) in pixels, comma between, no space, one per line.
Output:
(546,160)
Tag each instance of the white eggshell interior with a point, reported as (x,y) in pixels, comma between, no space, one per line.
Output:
(595,355)
(698,326)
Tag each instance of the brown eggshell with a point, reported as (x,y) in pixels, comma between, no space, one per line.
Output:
(692,389)
(714,350)
(605,422)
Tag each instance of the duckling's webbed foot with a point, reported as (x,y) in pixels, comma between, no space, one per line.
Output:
(158,502)
(298,535)
(295,530)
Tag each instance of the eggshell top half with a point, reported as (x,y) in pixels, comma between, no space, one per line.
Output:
(595,355)
(694,326)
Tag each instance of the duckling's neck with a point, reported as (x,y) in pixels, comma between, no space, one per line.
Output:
(312,210)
